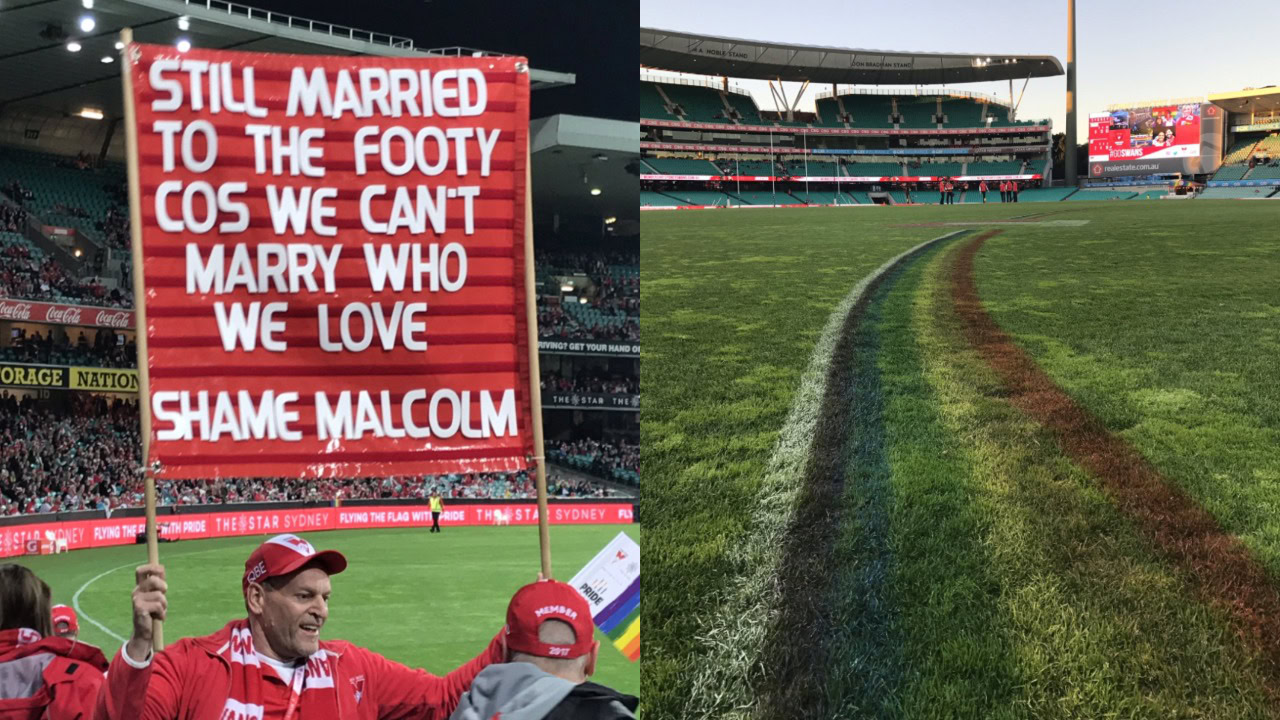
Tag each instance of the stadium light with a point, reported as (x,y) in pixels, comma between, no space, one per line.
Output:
(107,59)
(90,113)
(88,4)
(596,191)
(87,23)
(184,45)
(79,252)
(610,220)
(73,46)
(184,23)
(119,45)
(566,288)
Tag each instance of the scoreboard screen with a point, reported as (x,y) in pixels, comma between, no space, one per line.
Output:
(1169,131)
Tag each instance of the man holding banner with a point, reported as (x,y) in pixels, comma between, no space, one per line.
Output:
(272,665)
(334,278)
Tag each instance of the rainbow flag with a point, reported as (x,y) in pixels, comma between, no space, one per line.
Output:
(611,585)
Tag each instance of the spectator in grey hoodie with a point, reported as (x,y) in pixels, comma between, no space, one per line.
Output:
(552,651)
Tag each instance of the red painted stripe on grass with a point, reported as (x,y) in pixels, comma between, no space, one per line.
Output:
(1224,571)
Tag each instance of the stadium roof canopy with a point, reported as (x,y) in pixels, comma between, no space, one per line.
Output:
(37,68)
(732,57)
(573,154)
(1267,98)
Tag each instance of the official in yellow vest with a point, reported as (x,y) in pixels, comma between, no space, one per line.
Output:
(437,507)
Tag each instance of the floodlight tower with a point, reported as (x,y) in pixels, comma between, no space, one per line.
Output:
(1070,149)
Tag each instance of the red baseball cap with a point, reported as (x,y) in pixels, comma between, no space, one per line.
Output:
(538,602)
(283,554)
(64,614)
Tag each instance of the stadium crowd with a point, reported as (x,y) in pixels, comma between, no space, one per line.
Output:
(108,349)
(587,382)
(85,456)
(619,462)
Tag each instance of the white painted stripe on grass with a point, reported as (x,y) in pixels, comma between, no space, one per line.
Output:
(733,634)
(75,602)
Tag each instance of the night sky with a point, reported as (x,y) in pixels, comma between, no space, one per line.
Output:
(596,40)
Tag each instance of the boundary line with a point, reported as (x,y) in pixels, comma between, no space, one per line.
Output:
(75,601)
(733,636)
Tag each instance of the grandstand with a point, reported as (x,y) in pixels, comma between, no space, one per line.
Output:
(874,136)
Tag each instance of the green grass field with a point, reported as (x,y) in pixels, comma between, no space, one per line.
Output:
(859,516)
(427,600)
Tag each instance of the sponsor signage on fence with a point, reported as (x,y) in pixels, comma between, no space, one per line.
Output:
(589,401)
(33,376)
(789,130)
(15,539)
(334,262)
(1244,183)
(837,178)
(1256,127)
(57,377)
(59,314)
(616,348)
(104,379)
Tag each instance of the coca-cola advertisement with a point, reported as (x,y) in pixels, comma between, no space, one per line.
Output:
(57,314)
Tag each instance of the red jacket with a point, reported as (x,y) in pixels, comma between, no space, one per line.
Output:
(190,680)
(67,685)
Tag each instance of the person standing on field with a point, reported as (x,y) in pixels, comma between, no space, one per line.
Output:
(437,507)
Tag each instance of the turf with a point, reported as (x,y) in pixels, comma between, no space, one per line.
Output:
(427,600)
(980,570)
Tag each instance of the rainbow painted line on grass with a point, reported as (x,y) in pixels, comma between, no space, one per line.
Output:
(620,621)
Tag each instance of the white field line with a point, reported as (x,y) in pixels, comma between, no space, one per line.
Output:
(75,601)
(732,635)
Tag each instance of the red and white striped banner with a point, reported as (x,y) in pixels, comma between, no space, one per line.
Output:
(334,262)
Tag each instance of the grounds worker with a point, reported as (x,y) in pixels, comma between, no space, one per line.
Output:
(41,675)
(272,665)
(550,638)
(437,507)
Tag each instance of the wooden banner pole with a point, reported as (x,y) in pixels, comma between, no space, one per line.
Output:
(140,312)
(535,373)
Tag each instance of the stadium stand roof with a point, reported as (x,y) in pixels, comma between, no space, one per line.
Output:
(1267,98)
(36,66)
(733,57)
(573,154)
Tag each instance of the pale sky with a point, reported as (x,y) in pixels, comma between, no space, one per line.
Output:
(1125,51)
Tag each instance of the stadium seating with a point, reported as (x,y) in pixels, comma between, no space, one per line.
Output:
(1239,152)
(944,169)
(682,166)
(1267,172)
(823,197)
(1010,167)
(764,197)
(700,197)
(965,113)
(917,112)
(1237,192)
(654,199)
(1231,172)
(651,103)
(868,111)
(829,113)
(700,104)
(746,107)
(1151,194)
(873,169)
(64,195)
(749,167)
